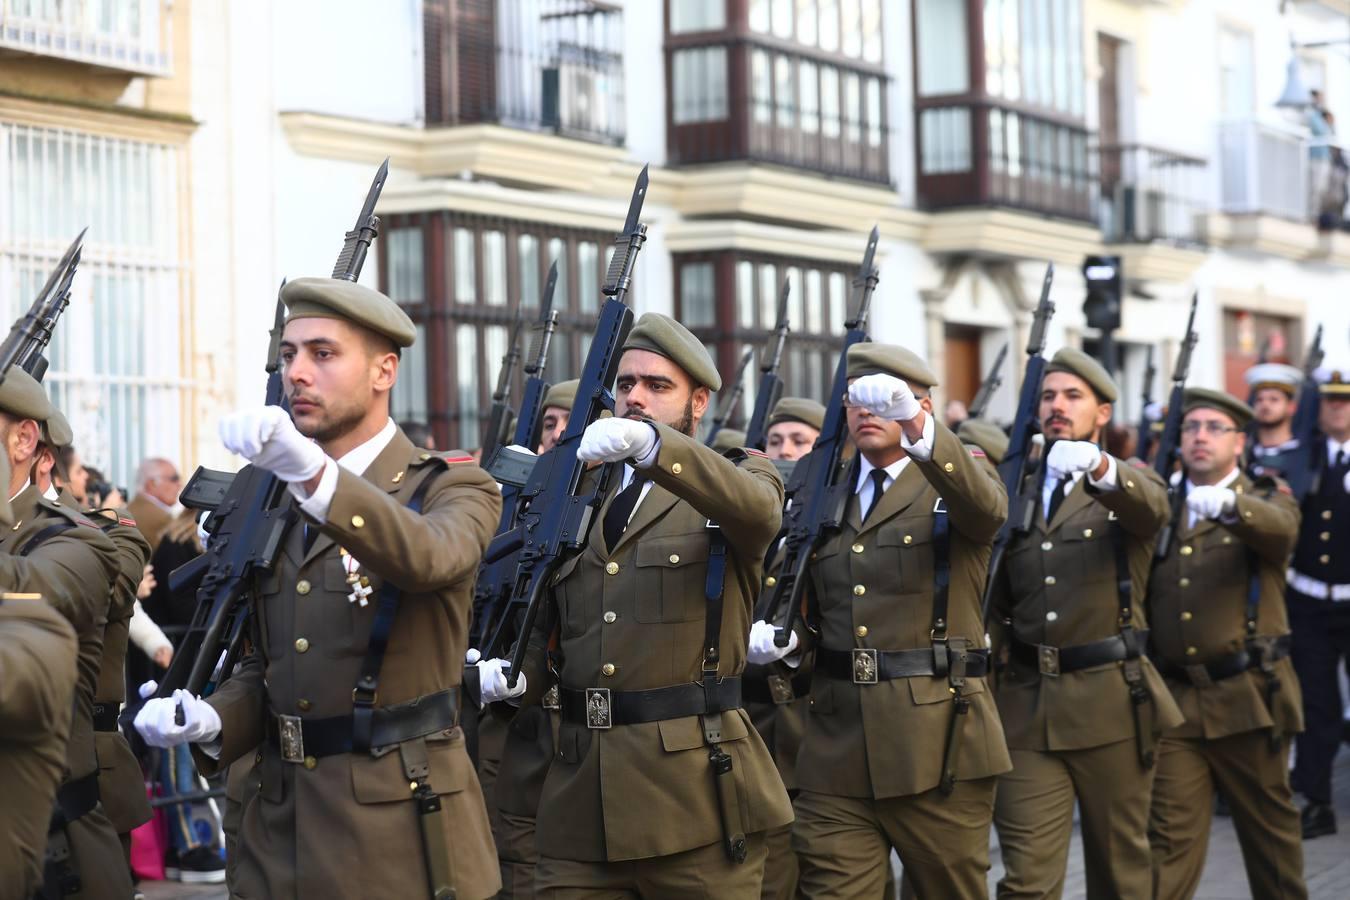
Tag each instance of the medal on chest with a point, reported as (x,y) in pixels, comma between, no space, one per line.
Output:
(360,584)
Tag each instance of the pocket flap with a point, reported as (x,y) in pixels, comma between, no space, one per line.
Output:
(906,533)
(381,780)
(673,552)
(936,690)
(687,733)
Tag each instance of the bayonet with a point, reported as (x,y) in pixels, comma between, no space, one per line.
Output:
(992,382)
(367,228)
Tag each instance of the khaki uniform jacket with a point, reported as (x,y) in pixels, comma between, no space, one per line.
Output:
(347,826)
(151,519)
(873,583)
(646,790)
(1058,586)
(1197,605)
(37,680)
(121,786)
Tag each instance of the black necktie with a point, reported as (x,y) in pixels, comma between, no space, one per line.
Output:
(878,480)
(311,535)
(1057,497)
(621,510)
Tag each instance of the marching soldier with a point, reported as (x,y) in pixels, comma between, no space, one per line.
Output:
(557,413)
(1221,640)
(54,550)
(728,439)
(777,696)
(1319,603)
(660,787)
(1081,703)
(903,740)
(365,787)
(985,435)
(1274,391)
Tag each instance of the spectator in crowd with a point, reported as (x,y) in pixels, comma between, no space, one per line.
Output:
(955,414)
(157,487)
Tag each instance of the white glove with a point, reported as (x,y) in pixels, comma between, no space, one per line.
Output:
(1067,457)
(762,648)
(1154,411)
(616,439)
(156,722)
(472,656)
(885,396)
(1210,501)
(148,689)
(268,438)
(492,681)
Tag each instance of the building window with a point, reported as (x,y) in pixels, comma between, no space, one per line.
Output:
(127,35)
(462,279)
(729,300)
(699,85)
(115,358)
(697,15)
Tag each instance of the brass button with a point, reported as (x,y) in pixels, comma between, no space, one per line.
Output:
(674,558)
(1187,550)
(857,548)
(424,457)
(1326,516)
(358,522)
(607,668)
(610,617)
(1326,535)
(311,762)
(611,568)
(676,469)
(1247,514)
(861,631)
(1191,651)
(1052,616)
(1050,579)
(1185,582)
(770,581)
(257,758)
(1186,616)
(1087,532)
(948,467)
(302,587)
(1324,559)
(301,645)
(909,539)
(1129,484)
(1047,546)
(303,705)
(1227,539)
(859,590)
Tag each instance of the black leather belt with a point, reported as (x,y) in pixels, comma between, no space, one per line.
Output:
(1227,666)
(774,687)
(74,799)
(601,708)
(868,666)
(1053,661)
(105,716)
(300,738)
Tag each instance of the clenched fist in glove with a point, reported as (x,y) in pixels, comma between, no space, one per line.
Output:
(156,722)
(1209,501)
(884,396)
(492,681)
(615,440)
(762,648)
(1068,457)
(268,438)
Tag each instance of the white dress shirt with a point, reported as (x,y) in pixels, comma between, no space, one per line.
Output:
(865,487)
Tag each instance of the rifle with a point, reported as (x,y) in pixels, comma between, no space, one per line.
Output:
(770,385)
(1145,437)
(728,404)
(992,382)
(249,522)
(1017,469)
(32,331)
(500,419)
(557,510)
(493,587)
(819,487)
(1169,443)
(1299,474)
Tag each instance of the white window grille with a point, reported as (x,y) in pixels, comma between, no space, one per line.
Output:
(117,34)
(117,353)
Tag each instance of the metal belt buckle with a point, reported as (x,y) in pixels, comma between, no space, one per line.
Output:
(1047,659)
(780,689)
(550,700)
(864,666)
(292,739)
(599,711)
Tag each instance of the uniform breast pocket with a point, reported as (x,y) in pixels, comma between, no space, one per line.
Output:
(909,544)
(336,625)
(277,619)
(1083,552)
(671,575)
(567,593)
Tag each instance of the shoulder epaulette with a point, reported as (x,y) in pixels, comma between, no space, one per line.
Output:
(451,457)
(58,508)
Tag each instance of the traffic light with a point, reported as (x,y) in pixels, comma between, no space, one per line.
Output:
(1104,287)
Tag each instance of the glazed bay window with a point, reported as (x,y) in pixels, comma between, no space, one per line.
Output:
(463,280)
(729,300)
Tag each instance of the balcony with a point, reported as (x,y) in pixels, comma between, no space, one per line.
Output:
(126,36)
(1150,194)
(1264,169)
(549,66)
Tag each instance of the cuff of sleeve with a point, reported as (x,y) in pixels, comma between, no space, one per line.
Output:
(648,459)
(1108,482)
(317,504)
(922,449)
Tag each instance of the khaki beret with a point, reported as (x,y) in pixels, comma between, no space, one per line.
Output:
(663,335)
(889,359)
(1076,362)
(56,431)
(562,395)
(1204,398)
(728,439)
(22,397)
(1274,375)
(985,435)
(1333,381)
(332,298)
(798,409)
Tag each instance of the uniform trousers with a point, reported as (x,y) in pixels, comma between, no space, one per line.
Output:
(704,873)
(1321,635)
(844,844)
(1034,817)
(1254,777)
